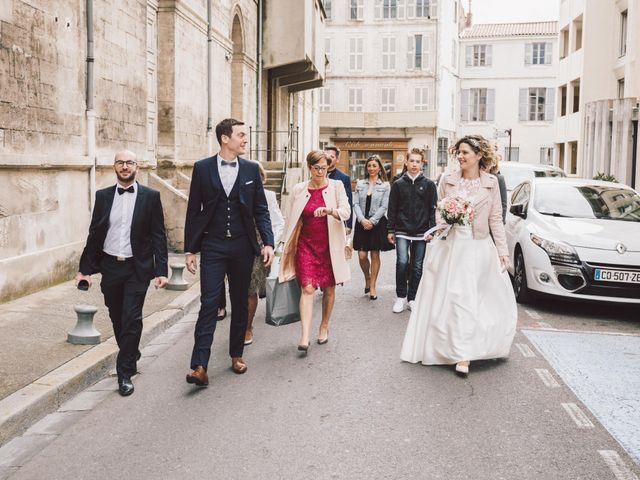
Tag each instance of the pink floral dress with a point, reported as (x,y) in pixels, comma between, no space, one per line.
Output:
(313,259)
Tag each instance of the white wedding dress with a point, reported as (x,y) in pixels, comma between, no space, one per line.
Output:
(465,308)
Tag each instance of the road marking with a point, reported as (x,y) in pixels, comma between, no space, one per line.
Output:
(533,314)
(577,415)
(547,378)
(617,466)
(525,350)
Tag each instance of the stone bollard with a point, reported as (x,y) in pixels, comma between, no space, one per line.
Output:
(84,333)
(176,282)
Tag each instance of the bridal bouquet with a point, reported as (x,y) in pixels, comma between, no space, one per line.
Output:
(456,210)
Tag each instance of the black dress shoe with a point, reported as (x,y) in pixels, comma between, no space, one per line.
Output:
(138,355)
(125,387)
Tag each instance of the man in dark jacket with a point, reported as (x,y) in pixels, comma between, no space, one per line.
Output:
(411,212)
(332,154)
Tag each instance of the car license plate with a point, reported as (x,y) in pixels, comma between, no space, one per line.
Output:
(602,275)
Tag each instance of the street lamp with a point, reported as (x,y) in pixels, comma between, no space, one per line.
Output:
(508,132)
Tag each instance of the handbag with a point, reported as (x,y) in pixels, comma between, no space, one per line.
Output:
(348,249)
(283,302)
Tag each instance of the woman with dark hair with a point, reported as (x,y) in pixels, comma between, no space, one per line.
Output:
(465,308)
(314,243)
(370,202)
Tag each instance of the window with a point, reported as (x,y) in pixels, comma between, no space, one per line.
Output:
(388,53)
(546,155)
(389,9)
(577,34)
(356,46)
(327,8)
(538,53)
(621,88)
(478,55)
(355,99)
(388,100)
(564,42)
(327,53)
(421,101)
(573,151)
(477,105)
(536,104)
(418,52)
(512,154)
(356,9)
(325,99)
(443,148)
(575,87)
(563,100)
(423,9)
(623,33)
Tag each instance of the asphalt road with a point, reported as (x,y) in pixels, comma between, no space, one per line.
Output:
(348,410)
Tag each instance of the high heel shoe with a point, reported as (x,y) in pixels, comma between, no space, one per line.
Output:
(366,290)
(373,297)
(462,370)
(304,348)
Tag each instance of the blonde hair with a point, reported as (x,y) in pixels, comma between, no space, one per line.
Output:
(480,146)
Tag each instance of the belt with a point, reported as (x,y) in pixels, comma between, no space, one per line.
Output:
(118,259)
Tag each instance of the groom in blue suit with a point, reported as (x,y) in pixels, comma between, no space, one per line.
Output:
(226,205)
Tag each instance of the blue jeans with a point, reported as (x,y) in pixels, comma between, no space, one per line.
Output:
(409,257)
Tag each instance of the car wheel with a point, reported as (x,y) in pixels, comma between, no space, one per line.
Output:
(520,288)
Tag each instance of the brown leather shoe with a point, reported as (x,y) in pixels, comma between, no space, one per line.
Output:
(198,377)
(237,365)
(248,336)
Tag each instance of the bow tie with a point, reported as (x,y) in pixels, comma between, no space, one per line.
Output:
(224,163)
(122,190)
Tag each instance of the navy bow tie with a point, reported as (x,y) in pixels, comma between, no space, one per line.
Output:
(122,190)
(224,163)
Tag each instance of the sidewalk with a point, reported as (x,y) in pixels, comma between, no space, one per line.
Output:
(39,369)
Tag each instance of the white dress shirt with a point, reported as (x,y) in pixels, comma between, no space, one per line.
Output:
(118,239)
(228,173)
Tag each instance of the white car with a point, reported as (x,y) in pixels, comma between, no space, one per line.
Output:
(575,238)
(515,173)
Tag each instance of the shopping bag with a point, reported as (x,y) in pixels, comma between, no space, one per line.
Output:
(283,302)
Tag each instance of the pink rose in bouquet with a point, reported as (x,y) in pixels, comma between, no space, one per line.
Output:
(456,210)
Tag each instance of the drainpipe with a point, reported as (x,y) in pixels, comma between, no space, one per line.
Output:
(90,112)
(209,81)
(259,82)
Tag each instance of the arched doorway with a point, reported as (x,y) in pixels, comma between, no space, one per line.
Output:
(237,77)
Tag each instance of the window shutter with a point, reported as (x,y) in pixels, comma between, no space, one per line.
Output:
(548,53)
(528,54)
(410,52)
(400,9)
(523,105)
(411,9)
(464,106)
(392,54)
(491,95)
(469,56)
(392,99)
(488,55)
(426,52)
(433,9)
(378,9)
(549,106)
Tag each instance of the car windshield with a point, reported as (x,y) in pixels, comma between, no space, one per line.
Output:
(515,176)
(587,201)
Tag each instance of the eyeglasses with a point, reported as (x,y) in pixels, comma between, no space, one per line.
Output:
(319,169)
(121,163)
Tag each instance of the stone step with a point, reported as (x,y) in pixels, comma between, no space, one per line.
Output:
(272,165)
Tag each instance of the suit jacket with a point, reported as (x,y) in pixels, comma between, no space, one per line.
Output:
(334,197)
(346,181)
(148,237)
(205,192)
(487,205)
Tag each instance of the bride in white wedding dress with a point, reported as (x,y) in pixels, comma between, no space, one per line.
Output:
(465,308)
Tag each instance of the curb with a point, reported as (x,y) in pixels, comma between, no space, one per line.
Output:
(45,395)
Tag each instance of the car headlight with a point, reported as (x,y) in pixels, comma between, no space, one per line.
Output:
(559,252)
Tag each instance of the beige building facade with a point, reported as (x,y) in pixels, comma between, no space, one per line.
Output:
(82,79)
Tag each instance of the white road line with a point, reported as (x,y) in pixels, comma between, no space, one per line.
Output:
(577,415)
(525,350)
(544,325)
(533,314)
(617,466)
(547,378)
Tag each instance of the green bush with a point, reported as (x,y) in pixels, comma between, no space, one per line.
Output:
(605,176)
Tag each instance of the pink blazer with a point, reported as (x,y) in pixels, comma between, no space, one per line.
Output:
(487,204)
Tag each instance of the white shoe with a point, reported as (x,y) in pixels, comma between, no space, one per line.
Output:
(462,369)
(398,305)
(411,304)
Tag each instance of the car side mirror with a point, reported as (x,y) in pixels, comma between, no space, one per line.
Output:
(518,210)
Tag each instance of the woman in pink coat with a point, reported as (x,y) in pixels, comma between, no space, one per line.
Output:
(465,308)
(314,244)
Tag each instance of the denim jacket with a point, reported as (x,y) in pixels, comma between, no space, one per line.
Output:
(379,200)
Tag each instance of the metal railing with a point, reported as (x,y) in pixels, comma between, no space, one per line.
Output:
(277,146)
